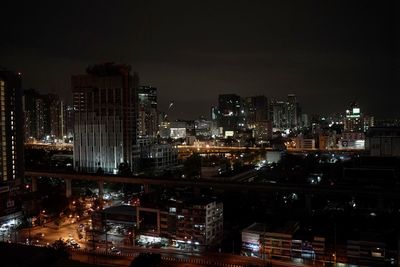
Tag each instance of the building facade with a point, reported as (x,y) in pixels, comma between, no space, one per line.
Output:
(105,106)
(229,112)
(383,141)
(192,224)
(156,158)
(147,112)
(44,116)
(353,121)
(293,112)
(11,143)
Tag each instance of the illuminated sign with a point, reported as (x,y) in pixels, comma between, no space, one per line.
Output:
(353,116)
(176,133)
(228,133)
(356,111)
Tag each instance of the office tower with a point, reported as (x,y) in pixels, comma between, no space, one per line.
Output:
(11,143)
(214,113)
(69,119)
(256,117)
(105,106)
(304,120)
(230,112)
(293,112)
(279,115)
(256,109)
(353,121)
(55,107)
(147,112)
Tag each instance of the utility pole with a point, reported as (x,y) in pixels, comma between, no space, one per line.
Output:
(30,226)
(105,222)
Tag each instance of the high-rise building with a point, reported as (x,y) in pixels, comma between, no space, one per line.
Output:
(256,109)
(279,115)
(229,112)
(105,106)
(55,109)
(353,122)
(30,98)
(147,112)
(69,119)
(11,143)
(286,115)
(43,115)
(293,112)
(256,117)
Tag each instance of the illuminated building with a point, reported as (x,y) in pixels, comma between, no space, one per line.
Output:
(265,240)
(11,140)
(30,114)
(105,118)
(256,109)
(353,122)
(293,112)
(56,118)
(147,112)
(69,118)
(205,128)
(286,115)
(279,115)
(44,115)
(256,117)
(353,134)
(199,222)
(193,223)
(229,112)
(181,129)
(156,158)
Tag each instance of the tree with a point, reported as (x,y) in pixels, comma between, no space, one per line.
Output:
(124,169)
(100,171)
(146,259)
(60,249)
(79,208)
(192,166)
(55,203)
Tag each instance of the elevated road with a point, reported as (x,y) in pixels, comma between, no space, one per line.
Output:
(345,190)
(243,149)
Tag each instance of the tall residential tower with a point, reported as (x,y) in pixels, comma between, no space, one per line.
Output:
(11,143)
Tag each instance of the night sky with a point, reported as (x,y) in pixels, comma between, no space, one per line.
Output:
(327,52)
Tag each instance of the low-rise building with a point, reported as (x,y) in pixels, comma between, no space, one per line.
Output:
(157,157)
(264,240)
(383,141)
(189,224)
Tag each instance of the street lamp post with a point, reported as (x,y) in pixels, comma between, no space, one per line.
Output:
(30,226)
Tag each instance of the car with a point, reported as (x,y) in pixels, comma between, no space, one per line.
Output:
(115,250)
(75,245)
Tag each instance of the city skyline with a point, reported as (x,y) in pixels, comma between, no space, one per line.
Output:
(327,53)
(201,133)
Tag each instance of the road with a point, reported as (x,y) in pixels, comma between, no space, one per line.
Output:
(52,233)
(342,190)
(171,257)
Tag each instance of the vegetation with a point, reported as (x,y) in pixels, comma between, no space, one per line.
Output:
(192,166)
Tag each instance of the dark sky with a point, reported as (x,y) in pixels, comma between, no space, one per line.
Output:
(327,52)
